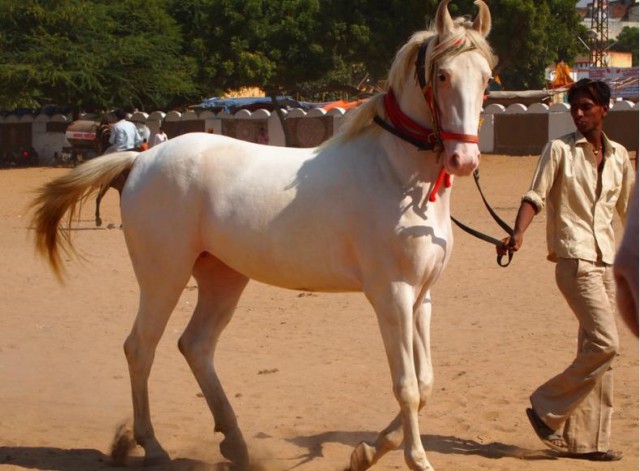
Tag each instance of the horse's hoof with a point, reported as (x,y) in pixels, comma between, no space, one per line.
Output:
(98,222)
(159,460)
(154,454)
(362,457)
(420,464)
(235,450)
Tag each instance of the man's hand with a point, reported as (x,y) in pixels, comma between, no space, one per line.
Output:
(509,244)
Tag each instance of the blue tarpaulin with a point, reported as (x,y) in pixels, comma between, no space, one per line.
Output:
(231,105)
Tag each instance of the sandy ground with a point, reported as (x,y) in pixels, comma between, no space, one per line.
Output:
(306,372)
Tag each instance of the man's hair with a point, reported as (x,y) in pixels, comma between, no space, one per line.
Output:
(120,113)
(597,90)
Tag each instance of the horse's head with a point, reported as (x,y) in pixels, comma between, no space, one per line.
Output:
(452,63)
(459,69)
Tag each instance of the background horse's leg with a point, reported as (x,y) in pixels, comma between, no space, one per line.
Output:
(394,306)
(103,190)
(364,456)
(219,289)
(162,275)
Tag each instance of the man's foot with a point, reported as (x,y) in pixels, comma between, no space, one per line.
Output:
(549,437)
(609,455)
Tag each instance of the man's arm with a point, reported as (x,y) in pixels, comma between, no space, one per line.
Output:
(526,213)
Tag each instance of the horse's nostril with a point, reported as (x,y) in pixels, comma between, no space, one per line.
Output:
(455,161)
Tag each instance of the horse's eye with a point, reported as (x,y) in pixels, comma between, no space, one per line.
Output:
(442,77)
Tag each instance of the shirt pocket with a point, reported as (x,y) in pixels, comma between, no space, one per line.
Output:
(611,183)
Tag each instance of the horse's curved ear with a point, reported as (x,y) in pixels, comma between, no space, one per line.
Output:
(444,22)
(482,23)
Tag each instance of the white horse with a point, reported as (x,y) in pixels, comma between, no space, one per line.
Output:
(350,215)
(625,267)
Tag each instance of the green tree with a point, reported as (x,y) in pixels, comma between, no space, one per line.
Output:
(90,55)
(627,41)
(529,35)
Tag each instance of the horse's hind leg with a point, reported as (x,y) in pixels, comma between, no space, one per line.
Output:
(219,288)
(365,455)
(101,193)
(162,276)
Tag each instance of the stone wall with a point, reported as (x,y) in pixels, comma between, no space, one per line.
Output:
(513,130)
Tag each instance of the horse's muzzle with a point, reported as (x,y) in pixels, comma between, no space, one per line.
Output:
(461,158)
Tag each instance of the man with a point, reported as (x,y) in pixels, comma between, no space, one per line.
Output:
(124,134)
(582,179)
(159,137)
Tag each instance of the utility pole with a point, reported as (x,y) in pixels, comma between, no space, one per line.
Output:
(599,34)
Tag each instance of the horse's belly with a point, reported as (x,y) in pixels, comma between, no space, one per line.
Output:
(301,264)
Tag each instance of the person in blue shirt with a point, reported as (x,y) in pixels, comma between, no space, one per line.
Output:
(124,134)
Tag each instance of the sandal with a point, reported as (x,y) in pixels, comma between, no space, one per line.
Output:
(549,437)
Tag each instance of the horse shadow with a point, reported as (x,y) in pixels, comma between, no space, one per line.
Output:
(445,444)
(82,459)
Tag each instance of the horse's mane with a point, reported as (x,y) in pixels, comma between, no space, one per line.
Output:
(404,64)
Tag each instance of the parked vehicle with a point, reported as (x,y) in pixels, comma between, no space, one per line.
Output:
(88,139)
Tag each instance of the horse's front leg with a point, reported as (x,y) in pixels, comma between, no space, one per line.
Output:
(365,455)
(394,306)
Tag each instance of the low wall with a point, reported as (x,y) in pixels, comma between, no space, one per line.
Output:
(512,130)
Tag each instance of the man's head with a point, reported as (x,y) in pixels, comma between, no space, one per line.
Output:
(589,101)
(120,114)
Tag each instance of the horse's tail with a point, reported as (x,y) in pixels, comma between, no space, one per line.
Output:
(63,196)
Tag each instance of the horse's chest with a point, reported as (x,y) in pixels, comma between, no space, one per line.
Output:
(421,248)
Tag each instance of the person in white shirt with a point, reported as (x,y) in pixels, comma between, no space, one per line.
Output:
(160,137)
(124,134)
(582,180)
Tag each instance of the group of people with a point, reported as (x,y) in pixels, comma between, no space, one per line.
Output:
(123,135)
(582,179)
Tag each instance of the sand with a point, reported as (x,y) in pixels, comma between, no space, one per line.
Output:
(306,372)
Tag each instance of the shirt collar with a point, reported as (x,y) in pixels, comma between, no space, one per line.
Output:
(582,141)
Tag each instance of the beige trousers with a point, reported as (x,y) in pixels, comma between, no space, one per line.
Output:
(581,397)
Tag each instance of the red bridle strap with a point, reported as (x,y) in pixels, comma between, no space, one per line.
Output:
(443,135)
(450,136)
(404,123)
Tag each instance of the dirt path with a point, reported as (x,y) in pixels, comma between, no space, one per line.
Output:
(305,372)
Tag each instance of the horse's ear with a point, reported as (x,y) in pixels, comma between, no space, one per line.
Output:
(444,22)
(482,23)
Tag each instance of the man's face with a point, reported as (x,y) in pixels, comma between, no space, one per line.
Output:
(587,115)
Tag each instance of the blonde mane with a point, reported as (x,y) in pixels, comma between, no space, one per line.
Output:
(404,64)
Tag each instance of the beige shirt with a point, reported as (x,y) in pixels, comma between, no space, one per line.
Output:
(579,219)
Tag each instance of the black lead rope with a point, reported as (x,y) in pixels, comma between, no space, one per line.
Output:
(387,127)
(496,218)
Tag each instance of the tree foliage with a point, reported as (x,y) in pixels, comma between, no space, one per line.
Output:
(627,41)
(529,35)
(90,54)
(95,54)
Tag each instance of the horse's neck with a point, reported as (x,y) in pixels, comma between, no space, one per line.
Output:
(413,103)
(411,165)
